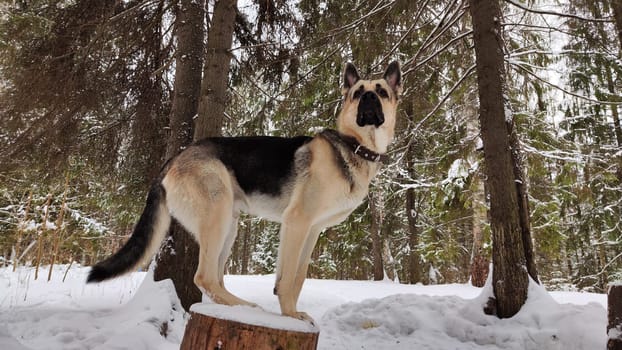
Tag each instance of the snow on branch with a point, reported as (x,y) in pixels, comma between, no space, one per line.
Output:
(439,51)
(558,53)
(380,6)
(443,25)
(541,28)
(447,95)
(571,157)
(559,14)
(521,66)
(405,35)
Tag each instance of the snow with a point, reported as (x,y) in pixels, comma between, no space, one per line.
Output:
(122,314)
(459,170)
(128,313)
(253,315)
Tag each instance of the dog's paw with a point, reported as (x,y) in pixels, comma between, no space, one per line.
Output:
(248,303)
(226,298)
(303,316)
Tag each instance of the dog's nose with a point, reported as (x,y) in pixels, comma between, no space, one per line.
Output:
(370,110)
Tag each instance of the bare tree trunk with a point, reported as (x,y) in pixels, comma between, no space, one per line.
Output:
(216,71)
(179,263)
(415,265)
(614,317)
(245,255)
(375,229)
(388,260)
(414,260)
(617,128)
(147,149)
(510,280)
(178,259)
(187,88)
(479,261)
(523,202)
(617,15)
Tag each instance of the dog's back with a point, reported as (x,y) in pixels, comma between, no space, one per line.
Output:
(260,164)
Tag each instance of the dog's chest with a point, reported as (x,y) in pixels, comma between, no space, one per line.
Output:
(265,206)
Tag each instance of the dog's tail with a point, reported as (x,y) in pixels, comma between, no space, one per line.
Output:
(145,241)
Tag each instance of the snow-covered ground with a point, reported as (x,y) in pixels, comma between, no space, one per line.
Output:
(127,314)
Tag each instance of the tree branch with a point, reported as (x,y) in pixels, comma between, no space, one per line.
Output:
(428,40)
(410,30)
(559,14)
(520,66)
(437,52)
(447,95)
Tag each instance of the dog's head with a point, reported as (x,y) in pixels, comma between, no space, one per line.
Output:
(370,107)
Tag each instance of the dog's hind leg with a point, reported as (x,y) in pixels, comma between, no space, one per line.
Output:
(226,250)
(224,256)
(201,199)
(217,232)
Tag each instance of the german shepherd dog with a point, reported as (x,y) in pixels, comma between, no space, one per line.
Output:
(305,183)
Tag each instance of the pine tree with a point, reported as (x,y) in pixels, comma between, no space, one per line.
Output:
(178,258)
(510,279)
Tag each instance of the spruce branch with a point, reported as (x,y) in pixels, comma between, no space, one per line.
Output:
(559,14)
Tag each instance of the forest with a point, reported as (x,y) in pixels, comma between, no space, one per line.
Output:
(91,93)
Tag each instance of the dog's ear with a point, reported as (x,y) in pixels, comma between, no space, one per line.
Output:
(393,76)
(350,77)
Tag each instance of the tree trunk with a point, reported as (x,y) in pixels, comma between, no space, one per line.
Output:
(479,261)
(479,264)
(388,260)
(178,260)
(414,151)
(523,202)
(510,280)
(246,255)
(208,333)
(412,213)
(614,317)
(146,150)
(216,71)
(611,87)
(188,63)
(376,239)
(617,15)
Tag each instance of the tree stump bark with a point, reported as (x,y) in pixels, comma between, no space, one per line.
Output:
(205,332)
(614,317)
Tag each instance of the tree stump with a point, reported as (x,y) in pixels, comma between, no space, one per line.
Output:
(209,332)
(614,317)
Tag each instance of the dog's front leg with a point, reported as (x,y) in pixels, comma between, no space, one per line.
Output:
(305,258)
(294,234)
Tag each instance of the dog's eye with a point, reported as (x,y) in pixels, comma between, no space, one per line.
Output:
(358,93)
(382,92)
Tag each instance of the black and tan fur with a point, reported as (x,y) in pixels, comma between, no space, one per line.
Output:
(305,183)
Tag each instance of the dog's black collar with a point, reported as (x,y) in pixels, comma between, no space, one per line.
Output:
(359,149)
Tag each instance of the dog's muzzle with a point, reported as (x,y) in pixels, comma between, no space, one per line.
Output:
(370,110)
